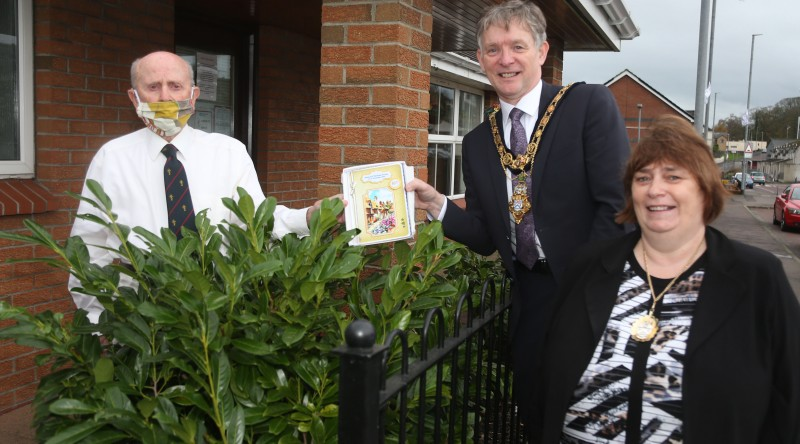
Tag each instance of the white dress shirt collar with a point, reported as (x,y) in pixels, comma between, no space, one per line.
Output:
(156,143)
(529,104)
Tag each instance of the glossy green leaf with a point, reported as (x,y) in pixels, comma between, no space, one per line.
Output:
(317,430)
(308,290)
(235,426)
(157,313)
(105,437)
(252,346)
(104,370)
(290,335)
(221,371)
(75,434)
(68,406)
(400,320)
(126,335)
(288,439)
(147,406)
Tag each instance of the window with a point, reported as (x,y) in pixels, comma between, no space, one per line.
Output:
(454,112)
(214,76)
(16,88)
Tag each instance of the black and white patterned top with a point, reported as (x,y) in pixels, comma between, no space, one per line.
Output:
(637,382)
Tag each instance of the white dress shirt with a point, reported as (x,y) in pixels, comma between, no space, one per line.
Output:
(131,172)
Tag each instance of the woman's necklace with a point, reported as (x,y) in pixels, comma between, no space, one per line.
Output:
(645,327)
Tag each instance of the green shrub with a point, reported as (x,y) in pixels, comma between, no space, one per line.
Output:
(225,335)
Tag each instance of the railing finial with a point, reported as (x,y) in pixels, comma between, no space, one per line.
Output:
(360,334)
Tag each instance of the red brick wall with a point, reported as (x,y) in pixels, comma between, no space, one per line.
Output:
(82,55)
(628,94)
(553,68)
(287,140)
(375,90)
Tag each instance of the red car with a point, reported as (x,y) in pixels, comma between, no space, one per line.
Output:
(786,210)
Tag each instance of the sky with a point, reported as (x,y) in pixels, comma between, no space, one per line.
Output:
(665,53)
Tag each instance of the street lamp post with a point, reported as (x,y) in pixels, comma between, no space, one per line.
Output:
(747,112)
(702,68)
(798,129)
(639,130)
(714,118)
(708,80)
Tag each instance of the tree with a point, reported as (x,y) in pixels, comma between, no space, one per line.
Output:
(767,123)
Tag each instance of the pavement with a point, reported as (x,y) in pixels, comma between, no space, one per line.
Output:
(747,218)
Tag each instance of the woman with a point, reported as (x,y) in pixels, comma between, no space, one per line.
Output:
(672,333)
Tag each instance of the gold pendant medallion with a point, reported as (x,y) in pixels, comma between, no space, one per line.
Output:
(644,328)
(519,204)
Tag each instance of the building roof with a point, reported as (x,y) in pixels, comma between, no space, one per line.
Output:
(778,148)
(583,25)
(627,73)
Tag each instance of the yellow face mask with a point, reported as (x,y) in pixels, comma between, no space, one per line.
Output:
(166,119)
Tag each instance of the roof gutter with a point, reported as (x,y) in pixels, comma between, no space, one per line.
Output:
(619,18)
(610,18)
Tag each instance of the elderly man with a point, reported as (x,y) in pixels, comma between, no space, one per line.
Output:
(160,175)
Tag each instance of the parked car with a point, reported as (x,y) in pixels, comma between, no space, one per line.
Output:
(786,210)
(738,179)
(758,177)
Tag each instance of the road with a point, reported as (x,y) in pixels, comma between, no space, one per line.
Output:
(762,210)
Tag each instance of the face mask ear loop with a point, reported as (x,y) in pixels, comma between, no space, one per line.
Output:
(138,101)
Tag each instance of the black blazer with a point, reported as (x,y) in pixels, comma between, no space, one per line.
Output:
(741,380)
(576,183)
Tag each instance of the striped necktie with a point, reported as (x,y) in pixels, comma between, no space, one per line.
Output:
(180,212)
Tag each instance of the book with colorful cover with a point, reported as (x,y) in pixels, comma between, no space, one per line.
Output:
(378,204)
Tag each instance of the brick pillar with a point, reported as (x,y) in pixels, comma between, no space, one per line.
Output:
(553,68)
(375,85)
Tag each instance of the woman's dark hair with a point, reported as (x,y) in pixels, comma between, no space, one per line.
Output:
(673,140)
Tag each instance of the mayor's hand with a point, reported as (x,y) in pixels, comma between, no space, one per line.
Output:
(427,198)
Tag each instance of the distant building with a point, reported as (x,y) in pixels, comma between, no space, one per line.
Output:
(640,103)
(782,162)
(738,146)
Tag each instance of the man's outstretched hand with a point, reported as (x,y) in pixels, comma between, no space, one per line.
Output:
(318,203)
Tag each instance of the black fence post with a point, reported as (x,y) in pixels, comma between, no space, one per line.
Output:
(360,373)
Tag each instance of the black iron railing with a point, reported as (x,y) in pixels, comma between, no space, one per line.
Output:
(457,390)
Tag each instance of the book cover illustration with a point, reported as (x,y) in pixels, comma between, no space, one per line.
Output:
(378,204)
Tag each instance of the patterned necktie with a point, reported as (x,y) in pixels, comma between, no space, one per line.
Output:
(180,212)
(526,244)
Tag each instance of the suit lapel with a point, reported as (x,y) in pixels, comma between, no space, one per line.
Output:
(720,293)
(496,173)
(548,93)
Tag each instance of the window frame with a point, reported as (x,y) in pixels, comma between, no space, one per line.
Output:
(455,139)
(26,165)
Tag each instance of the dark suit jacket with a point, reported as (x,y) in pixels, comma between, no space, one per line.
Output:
(741,380)
(576,183)
(575,192)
